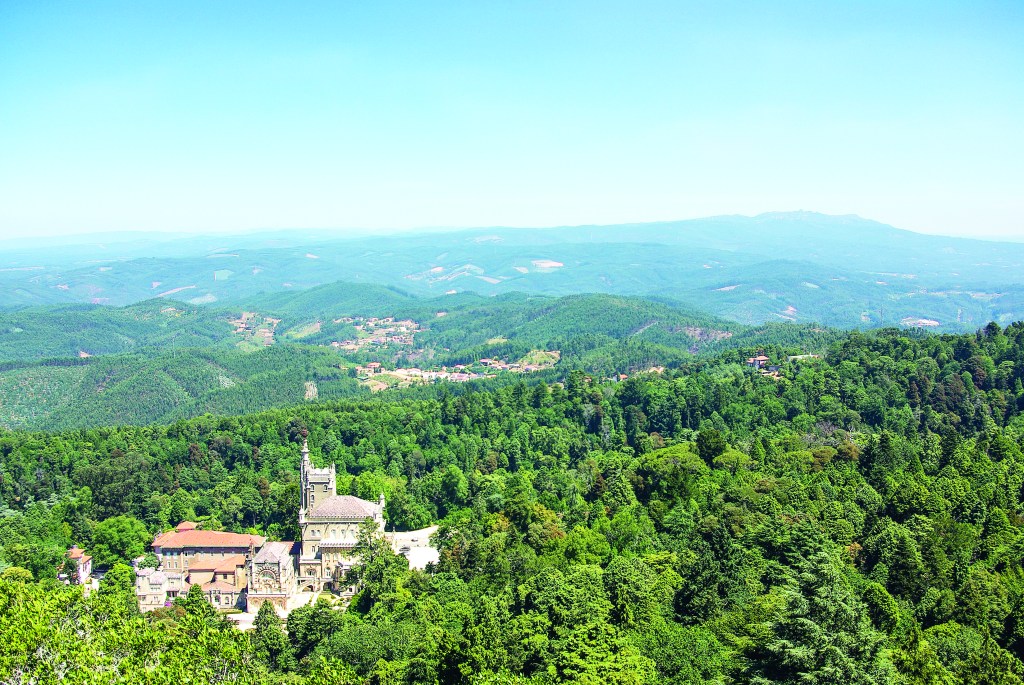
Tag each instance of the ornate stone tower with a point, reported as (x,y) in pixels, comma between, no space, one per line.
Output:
(316,484)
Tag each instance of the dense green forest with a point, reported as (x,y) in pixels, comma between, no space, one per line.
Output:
(72,330)
(167,385)
(858,519)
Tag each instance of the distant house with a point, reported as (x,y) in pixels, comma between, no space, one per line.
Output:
(758,362)
(154,588)
(83,563)
(373,367)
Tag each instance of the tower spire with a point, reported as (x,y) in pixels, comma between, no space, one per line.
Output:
(305,466)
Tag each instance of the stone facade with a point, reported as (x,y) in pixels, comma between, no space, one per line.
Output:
(189,556)
(241,570)
(272,576)
(330,527)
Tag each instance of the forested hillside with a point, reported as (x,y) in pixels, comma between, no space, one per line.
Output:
(166,386)
(91,330)
(857,519)
(72,367)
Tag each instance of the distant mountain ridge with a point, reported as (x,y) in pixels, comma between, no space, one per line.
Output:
(785,266)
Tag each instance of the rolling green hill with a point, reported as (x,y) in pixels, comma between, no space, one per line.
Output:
(90,330)
(133,389)
(141,369)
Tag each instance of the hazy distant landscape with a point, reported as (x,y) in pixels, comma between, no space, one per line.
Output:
(802,267)
(135,331)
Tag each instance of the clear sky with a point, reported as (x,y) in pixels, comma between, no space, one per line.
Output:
(227,116)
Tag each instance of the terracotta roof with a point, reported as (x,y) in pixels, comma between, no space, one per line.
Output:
(343,507)
(229,564)
(186,525)
(209,563)
(205,538)
(75,553)
(203,563)
(219,585)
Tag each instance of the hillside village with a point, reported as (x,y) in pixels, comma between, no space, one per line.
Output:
(381,335)
(377,332)
(377,377)
(254,329)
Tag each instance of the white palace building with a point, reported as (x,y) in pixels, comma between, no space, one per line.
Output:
(244,571)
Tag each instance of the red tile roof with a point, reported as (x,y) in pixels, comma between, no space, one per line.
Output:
(229,564)
(75,553)
(203,562)
(206,538)
(219,585)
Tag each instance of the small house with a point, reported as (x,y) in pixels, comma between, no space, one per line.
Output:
(83,563)
(758,362)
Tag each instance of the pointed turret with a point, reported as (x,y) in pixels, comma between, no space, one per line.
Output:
(316,484)
(305,466)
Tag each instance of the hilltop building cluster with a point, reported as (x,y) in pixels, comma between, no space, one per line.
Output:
(457,373)
(255,329)
(764,366)
(377,332)
(238,570)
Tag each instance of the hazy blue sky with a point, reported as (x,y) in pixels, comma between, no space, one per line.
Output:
(237,115)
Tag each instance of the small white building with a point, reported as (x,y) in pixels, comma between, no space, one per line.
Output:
(83,565)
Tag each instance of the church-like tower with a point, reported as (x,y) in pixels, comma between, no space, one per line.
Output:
(330,526)
(316,484)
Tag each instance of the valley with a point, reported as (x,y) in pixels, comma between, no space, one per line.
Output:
(168,362)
